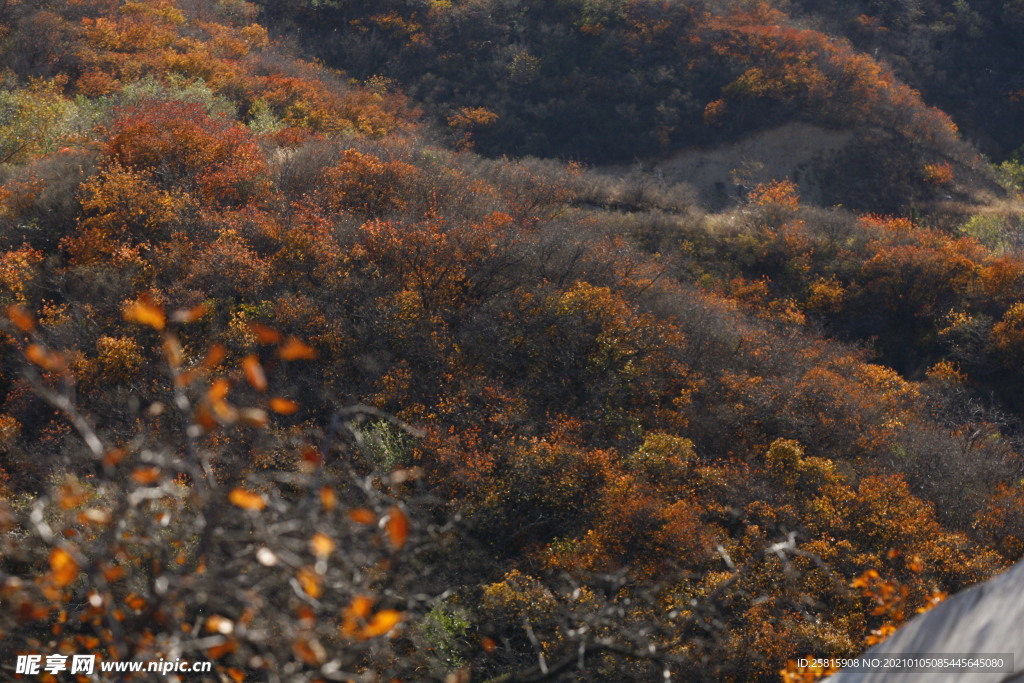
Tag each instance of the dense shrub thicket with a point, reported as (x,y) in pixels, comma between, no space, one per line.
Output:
(290,385)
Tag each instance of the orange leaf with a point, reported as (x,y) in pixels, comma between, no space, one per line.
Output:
(322,545)
(225,411)
(221,408)
(64,566)
(134,601)
(185,378)
(114,456)
(218,651)
(254,372)
(21,318)
(88,642)
(296,349)
(309,650)
(264,334)
(328,498)
(218,390)
(361,606)
(145,312)
(29,611)
(146,475)
(173,352)
(112,574)
(306,616)
(205,419)
(37,354)
(864,580)
(935,598)
(214,356)
(70,496)
(362,516)
(880,634)
(355,614)
(218,624)
(247,500)
(310,582)
(53,362)
(283,406)
(381,624)
(397,527)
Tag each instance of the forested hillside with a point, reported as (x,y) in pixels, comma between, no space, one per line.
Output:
(338,346)
(607,81)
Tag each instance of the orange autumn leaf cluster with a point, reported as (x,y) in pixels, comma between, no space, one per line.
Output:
(362,623)
(247,500)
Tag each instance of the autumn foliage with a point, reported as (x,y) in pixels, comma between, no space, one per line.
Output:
(291,384)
